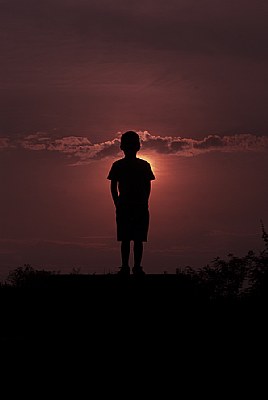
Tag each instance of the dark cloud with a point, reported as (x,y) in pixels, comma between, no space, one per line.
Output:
(4,143)
(81,148)
(155,143)
(179,145)
(212,141)
(108,149)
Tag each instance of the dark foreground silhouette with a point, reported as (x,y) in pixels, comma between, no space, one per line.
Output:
(87,306)
(226,296)
(127,327)
(208,324)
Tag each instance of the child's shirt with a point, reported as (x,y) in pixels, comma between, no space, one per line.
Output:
(133,176)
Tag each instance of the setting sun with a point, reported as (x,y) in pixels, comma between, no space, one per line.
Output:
(151,159)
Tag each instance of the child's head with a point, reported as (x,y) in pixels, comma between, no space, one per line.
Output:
(130,142)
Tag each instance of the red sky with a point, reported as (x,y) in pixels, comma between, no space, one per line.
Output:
(75,73)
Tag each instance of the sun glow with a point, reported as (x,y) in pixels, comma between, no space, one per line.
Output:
(160,163)
(150,158)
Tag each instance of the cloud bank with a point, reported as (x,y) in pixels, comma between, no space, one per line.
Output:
(4,143)
(82,150)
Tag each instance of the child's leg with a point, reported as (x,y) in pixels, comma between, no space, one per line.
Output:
(138,251)
(125,251)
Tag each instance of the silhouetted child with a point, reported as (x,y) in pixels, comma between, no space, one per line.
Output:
(130,188)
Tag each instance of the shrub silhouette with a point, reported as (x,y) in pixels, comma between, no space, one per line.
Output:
(236,277)
(27,276)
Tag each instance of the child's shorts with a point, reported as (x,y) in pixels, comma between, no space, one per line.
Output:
(132,222)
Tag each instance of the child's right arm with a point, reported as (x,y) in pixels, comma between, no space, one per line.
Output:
(114,191)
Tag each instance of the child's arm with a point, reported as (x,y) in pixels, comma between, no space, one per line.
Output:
(114,191)
(148,189)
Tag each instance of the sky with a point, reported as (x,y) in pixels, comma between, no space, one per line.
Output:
(190,77)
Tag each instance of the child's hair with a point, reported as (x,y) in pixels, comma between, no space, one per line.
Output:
(130,140)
